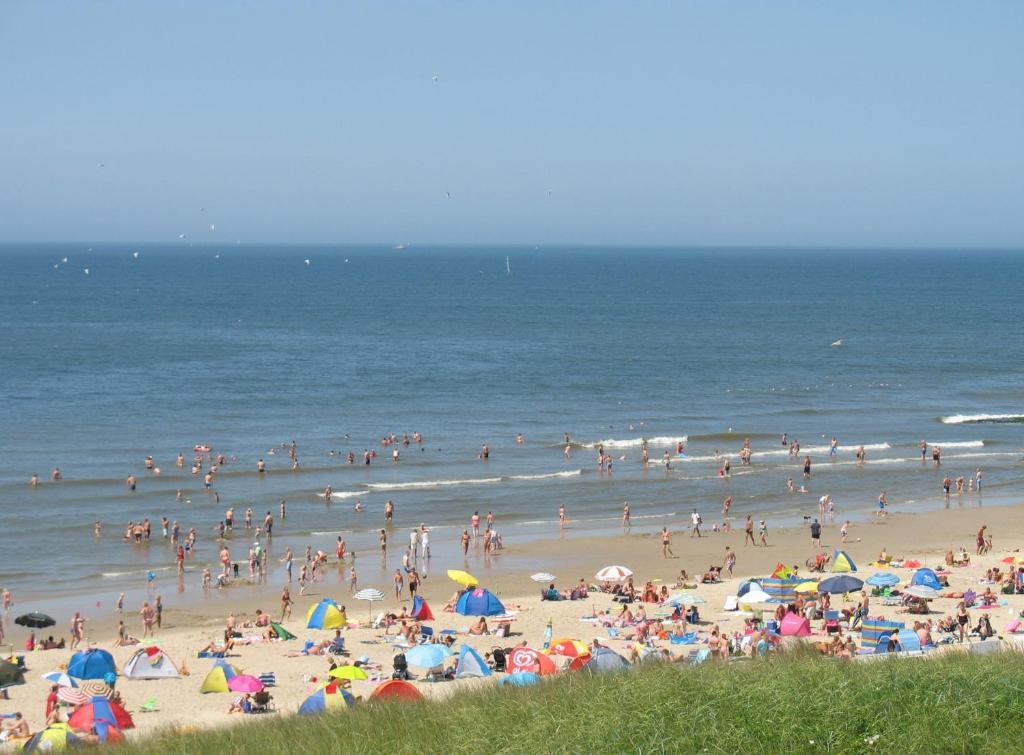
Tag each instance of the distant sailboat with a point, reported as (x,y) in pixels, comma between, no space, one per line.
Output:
(508,268)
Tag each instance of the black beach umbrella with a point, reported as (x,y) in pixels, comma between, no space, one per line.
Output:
(35,620)
(10,675)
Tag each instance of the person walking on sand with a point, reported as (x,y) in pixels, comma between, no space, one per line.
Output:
(286,603)
(148,619)
(696,521)
(748,532)
(763,532)
(979,540)
(465,543)
(730,560)
(399,584)
(666,543)
(816,535)
(625,515)
(882,503)
(844,531)
(352,579)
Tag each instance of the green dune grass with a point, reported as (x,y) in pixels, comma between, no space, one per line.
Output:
(790,703)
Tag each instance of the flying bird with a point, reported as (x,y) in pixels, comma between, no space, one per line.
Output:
(838,342)
(308,262)
(135,255)
(434,79)
(86,270)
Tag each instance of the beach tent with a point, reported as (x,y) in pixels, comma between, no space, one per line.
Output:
(10,675)
(746,585)
(783,572)
(281,632)
(909,640)
(794,625)
(329,697)
(872,630)
(604,659)
(841,562)
(396,689)
(53,738)
(780,590)
(100,709)
(926,577)
(217,679)
(529,660)
(91,664)
(326,615)
(479,602)
(150,663)
(470,664)
(421,610)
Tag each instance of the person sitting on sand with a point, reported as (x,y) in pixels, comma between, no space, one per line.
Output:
(14,728)
(884,557)
(242,704)
(984,628)
(450,605)
(480,627)
(962,558)
(949,558)
(650,594)
(220,646)
(988,598)
(712,575)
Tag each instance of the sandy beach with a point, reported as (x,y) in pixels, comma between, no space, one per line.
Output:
(925,537)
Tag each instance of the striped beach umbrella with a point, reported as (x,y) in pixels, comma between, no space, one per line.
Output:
(543,576)
(370,595)
(60,679)
(614,574)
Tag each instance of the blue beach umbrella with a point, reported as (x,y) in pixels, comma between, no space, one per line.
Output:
(840,584)
(427,656)
(882,579)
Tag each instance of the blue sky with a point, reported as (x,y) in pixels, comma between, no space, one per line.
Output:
(690,123)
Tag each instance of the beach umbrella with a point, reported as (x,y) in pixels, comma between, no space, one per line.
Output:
(882,579)
(757,597)
(60,678)
(326,615)
(808,586)
(463,578)
(685,599)
(568,647)
(521,679)
(1012,560)
(352,673)
(922,591)
(54,738)
(543,577)
(370,595)
(614,574)
(35,620)
(10,675)
(245,683)
(96,688)
(427,656)
(841,583)
(72,696)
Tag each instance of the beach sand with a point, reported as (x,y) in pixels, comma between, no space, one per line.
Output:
(925,537)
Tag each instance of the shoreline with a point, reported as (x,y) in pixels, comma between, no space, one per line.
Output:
(189,628)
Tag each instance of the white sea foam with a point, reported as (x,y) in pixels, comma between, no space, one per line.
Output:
(957,444)
(338,495)
(961,419)
(845,448)
(429,484)
(548,476)
(656,442)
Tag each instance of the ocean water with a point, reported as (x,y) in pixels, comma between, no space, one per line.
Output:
(245,348)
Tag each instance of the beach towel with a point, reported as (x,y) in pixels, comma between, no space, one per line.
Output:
(683,639)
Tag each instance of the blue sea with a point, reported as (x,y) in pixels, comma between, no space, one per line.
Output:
(109,356)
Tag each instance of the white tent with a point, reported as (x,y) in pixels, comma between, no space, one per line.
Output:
(150,663)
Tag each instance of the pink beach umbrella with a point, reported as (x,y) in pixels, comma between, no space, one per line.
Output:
(245,683)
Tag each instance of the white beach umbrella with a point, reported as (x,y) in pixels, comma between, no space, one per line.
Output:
(685,599)
(757,599)
(543,576)
(613,574)
(921,591)
(370,595)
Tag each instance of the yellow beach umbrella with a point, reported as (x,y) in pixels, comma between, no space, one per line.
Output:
(808,586)
(463,578)
(352,673)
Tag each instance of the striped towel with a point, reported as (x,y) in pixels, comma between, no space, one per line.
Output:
(268,679)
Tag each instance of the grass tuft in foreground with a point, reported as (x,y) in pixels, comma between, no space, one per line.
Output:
(956,703)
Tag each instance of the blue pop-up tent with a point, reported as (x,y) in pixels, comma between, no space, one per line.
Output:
(927,577)
(91,664)
(479,602)
(470,664)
